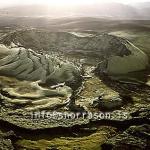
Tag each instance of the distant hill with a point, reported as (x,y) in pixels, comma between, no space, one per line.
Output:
(68,24)
(109,10)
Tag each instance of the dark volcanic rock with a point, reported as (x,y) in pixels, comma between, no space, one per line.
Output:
(135,137)
(108,103)
(5,140)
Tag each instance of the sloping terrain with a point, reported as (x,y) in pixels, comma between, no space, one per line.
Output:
(119,56)
(83,44)
(119,110)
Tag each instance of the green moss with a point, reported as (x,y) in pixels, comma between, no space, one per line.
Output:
(92,141)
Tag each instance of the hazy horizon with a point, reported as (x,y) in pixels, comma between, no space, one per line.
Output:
(116,9)
(9,3)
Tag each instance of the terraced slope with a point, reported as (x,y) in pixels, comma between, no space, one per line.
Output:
(26,64)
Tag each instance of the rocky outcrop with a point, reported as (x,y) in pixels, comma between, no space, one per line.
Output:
(45,81)
(24,105)
(117,65)
(136,61)
(26,64)
(6,140)
(108,103)
(43,115)
(30,96)
(134,129)
(135,137)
